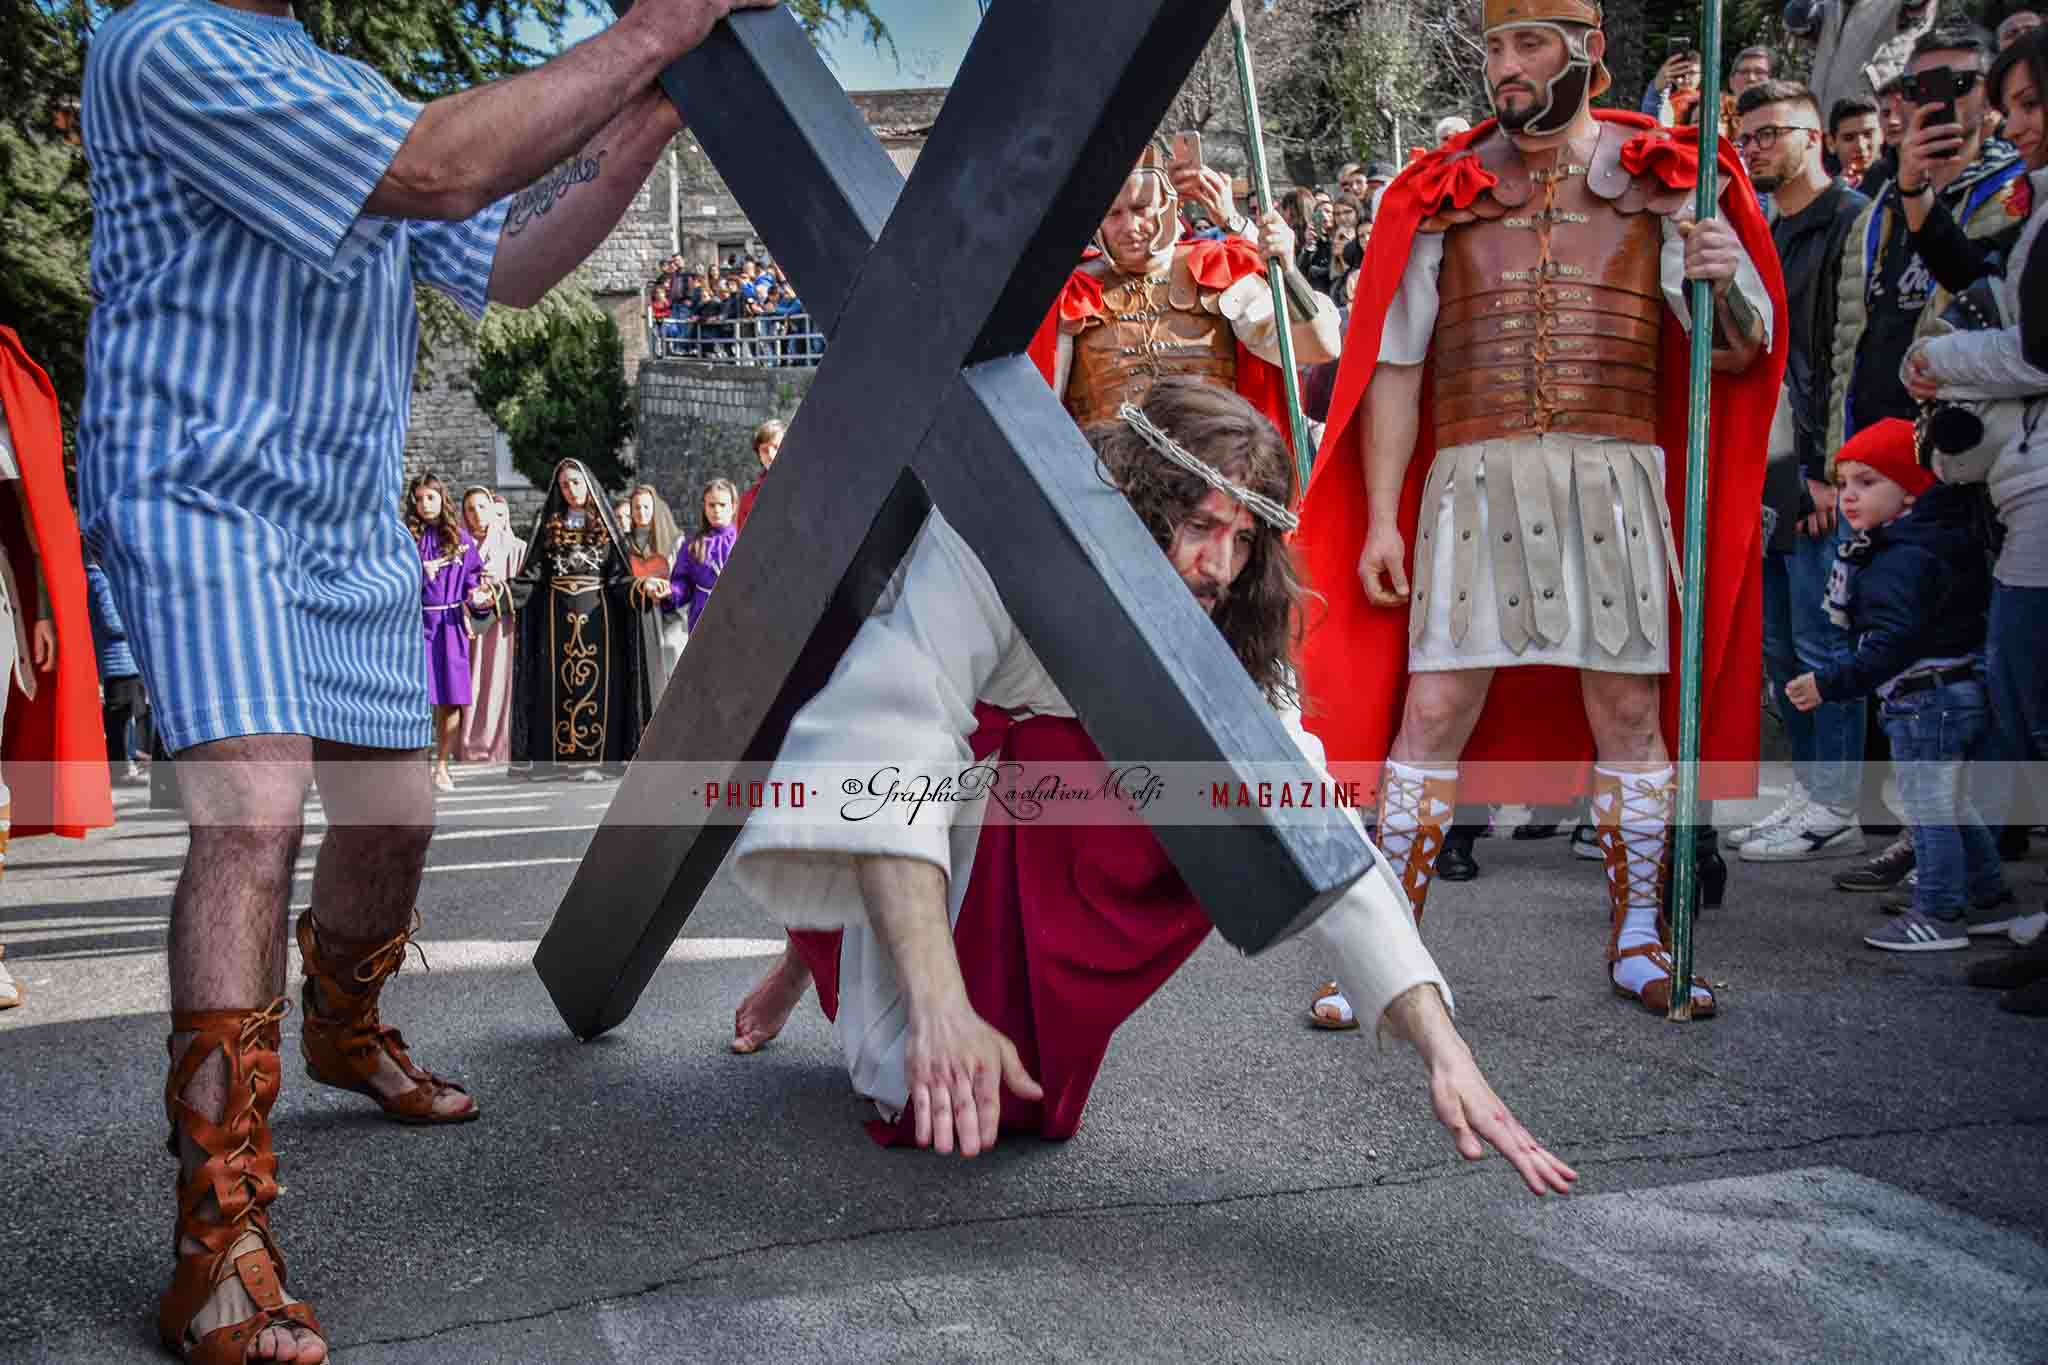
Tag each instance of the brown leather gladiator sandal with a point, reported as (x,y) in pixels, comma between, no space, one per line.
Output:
(239,1176)
(342,1034)
(1433,801)
(1628,885)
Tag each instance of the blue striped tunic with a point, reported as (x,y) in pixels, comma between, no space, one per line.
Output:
(249,375)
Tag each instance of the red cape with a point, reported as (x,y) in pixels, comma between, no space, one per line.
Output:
(1355,658)
(746,508)
(1216,265)
(56,748)
(1064,931)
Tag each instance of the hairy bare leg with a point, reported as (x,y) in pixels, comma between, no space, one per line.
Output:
(366,880)
(1439,716)
(1625,714)
(774,998)
(227,943)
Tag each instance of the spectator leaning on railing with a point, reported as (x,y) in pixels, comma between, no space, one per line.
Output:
(2007,369)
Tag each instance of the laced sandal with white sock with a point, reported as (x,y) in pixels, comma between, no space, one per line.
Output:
(1417,806)
(1330,1010)
(1633,814)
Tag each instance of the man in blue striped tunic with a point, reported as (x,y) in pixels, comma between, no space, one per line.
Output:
(263,211)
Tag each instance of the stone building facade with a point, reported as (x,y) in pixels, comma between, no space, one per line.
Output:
(683,209)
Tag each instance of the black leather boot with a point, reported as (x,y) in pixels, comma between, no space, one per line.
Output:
(1710,875)
(1456,863)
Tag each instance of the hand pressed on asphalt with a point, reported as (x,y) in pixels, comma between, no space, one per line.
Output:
(1476,1118)
(958,1066)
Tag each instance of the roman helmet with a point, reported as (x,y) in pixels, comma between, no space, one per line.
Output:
(1580,80)
(1158,188)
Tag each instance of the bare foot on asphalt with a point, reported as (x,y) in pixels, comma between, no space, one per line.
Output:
(768,1006)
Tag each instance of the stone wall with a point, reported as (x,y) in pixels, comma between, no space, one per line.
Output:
(697,423)
(451,437)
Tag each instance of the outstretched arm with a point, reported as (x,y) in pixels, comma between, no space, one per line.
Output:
(957,1065)
(471,149)
(1465,1104)
(1391,978)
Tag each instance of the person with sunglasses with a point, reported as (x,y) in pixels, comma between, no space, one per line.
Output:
(1944,221)
(1949,145)
(2008,368)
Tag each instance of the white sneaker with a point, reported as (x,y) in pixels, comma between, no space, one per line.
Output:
(2027,928)
(1817,833)
(1791,808)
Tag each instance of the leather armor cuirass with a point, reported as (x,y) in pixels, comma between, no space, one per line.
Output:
(1150,327)
(1550,315)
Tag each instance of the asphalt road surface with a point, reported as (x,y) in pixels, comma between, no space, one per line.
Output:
(1851,1163)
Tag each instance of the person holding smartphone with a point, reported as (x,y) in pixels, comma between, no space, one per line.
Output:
(1944,221)
(1680,73)
(1948,145)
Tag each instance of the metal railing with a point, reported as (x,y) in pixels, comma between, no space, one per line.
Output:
(788,340)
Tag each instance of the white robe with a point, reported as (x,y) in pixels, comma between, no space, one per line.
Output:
(904,693)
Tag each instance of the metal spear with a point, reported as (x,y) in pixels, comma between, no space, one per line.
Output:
(1692,625)
(1276,269)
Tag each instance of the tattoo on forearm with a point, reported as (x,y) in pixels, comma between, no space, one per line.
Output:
(1736,323)
(537,199)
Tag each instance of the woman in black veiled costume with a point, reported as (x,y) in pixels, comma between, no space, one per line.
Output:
(581,691)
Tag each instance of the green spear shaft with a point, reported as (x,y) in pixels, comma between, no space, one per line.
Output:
(1276,269)
(1692,626)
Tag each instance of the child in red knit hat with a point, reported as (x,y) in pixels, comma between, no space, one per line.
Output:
(1913,589)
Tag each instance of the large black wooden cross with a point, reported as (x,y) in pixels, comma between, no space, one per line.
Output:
(926,397)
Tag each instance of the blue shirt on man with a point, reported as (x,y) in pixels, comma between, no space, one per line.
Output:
(249,374)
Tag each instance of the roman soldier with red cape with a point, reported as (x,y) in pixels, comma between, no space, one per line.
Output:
(1143,304)
(1508,435)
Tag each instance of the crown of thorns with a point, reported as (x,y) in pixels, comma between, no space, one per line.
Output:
(1258,504)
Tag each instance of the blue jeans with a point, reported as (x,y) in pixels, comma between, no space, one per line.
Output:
(2018,689)
(1827,742)
(1934,734)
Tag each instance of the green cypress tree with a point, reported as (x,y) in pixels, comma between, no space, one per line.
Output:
(553,379)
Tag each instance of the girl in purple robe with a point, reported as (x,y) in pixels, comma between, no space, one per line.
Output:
(700,562)
(451,575)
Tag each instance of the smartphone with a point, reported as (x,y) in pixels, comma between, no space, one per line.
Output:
(1937,86)
(1187,148)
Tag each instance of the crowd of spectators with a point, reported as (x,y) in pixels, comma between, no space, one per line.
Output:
(743,312)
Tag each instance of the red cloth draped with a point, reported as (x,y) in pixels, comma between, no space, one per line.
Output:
(55,746)
(746,507)
(1355,659)
(1064,932)
(1216,265)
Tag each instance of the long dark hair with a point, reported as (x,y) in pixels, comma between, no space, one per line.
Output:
(1261,614)
(449,523)
(2030,50)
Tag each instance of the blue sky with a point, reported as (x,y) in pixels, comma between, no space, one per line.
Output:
(931,37)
